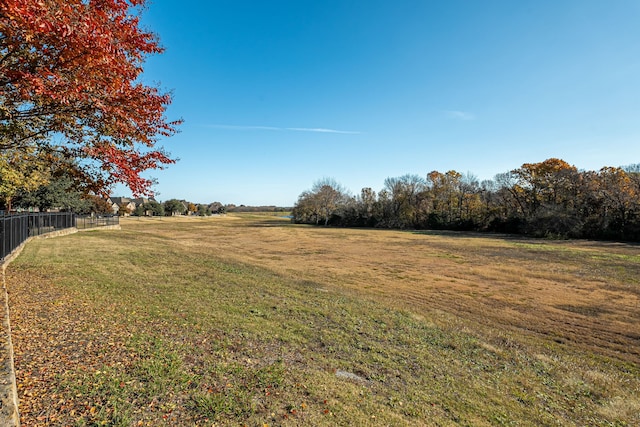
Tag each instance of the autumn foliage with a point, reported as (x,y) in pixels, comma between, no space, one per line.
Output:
(70,84)
(547,199)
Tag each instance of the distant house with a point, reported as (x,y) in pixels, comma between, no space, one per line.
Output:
(186,207)
(216,208)
(122,205)
(112,201)
(126,206)
(140,201)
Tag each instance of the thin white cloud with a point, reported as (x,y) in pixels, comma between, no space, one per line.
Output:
(233,127)
(323,130)
(273,128)
(459,115)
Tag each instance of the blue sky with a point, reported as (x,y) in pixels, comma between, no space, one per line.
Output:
(277,94)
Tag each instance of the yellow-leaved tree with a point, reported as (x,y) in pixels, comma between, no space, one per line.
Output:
(22,170)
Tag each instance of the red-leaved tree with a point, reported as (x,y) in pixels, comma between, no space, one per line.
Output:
(69,84)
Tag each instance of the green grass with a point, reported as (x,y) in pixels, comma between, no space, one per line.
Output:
(209,340)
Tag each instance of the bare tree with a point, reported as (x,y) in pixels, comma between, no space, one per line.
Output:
(404,191)
(325,198)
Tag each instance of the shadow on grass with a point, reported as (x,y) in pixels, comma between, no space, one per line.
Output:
(286,222)
(275,222)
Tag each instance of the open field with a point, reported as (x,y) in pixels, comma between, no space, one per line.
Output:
(250,320)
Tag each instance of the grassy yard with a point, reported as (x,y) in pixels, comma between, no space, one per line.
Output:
(250,320)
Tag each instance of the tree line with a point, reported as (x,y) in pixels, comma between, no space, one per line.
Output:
(546,199)
(62,192)
(173,207)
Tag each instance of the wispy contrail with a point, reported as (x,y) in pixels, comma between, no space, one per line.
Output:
(233,127)
(273,128)
(460,115)
(323,130)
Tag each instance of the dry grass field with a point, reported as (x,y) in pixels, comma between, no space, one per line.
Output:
(251,320)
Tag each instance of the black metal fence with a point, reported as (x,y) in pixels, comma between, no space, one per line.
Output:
(96,221)
(16,228)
